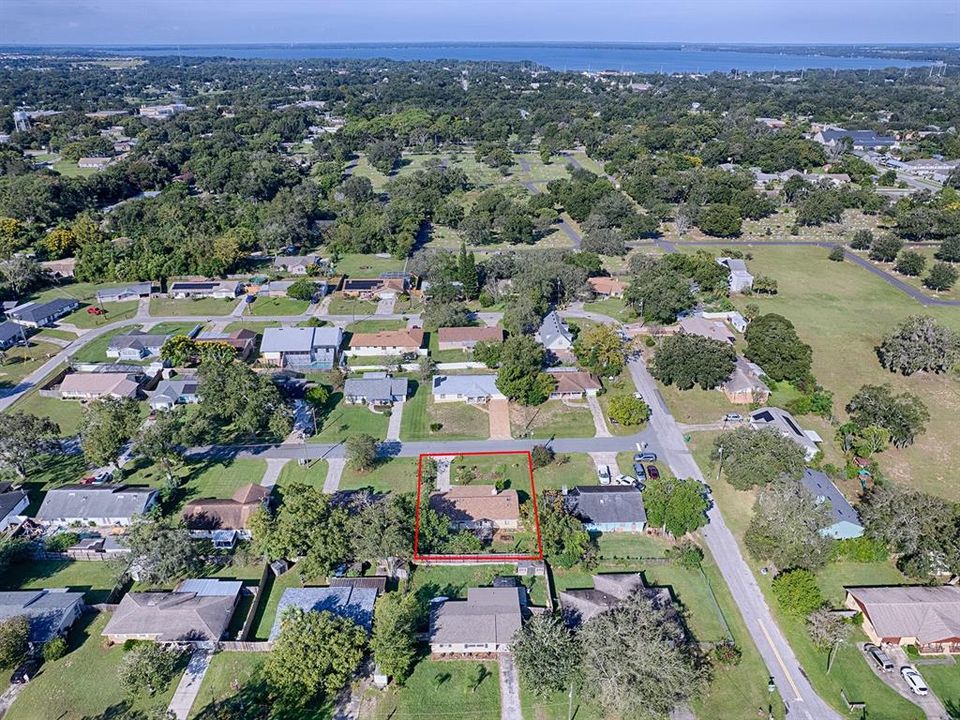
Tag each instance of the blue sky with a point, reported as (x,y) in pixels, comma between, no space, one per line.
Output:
(89,22)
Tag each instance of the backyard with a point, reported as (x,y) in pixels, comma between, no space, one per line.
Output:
(94,579)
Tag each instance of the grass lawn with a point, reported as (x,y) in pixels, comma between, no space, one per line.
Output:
(95,579)
(19,361)
(227,671)
(944,680)
(66,413)
(221,480)
(278,306)
(393,475)
(373,326)
(444,689)
(452,581)
(367,265)
(549,420)
(612,307)
(459,421)
(49,471)
(293,472)
(96,349)
(84,682)
(267,611)
(351,306)
(199,307)
(340,421)
(696,405)
(487,469)
(174,328)
(54,333)
(917,280)
(578,469)
(71,169)
(445,356)
(114,311)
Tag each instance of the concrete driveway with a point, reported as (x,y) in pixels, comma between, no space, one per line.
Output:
(509,689)
(189,685)
(932,708)
(499,412)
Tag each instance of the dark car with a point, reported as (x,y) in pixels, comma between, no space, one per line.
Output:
(639,471)
(879,657)
(652,472)
(645,457)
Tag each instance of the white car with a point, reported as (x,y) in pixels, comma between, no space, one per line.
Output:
(913,680)
(626,480)
(603,474)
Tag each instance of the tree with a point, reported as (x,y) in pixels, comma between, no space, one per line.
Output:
(426,368)
(565,541)
(547,655)
(949,249)
(21,273)
(678,506)
(862,240)
(106,426)
(163,551)
(829,631)
(797,592)
(919,343)
(148,668)
(688,360)
(910,263)
(786,525)
(179,350)
(24,438)
(384,155)
(393,641)
(941,277)
(54,649)
(628,410)
(638,661)
(14,636)
(758,457)
(159,442)
(520,376)
(235,395)
(773,344)
(836,253)
(600,350)
(541,456)
(903,415)
(361,452)
(382,532)
(487,353)
(314,655)
(659,294)
(720,220)
(885,248)
(302,289)
(467,273)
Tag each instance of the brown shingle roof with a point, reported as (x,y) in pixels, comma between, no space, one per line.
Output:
(470,334)
(929,614)
(575,382)
(606,285)
(411,338)
(473,503)
(225,514)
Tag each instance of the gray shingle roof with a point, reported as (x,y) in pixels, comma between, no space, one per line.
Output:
(98,501)
(9,331)
(137,289)
(202,611)
(376,389)
(467,385)
(37,312)
(488,615)
(299,340)
(864,138)
(44,609)
(823,489)
(352,603)
(553,330)
(9,499)
(929,614)
(600,505)
(171,390)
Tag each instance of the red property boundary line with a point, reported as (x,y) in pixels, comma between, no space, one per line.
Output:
(488,556)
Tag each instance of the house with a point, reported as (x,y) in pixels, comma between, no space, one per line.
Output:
(62,268)
(181,289)
(388,342)
(49,612)
(93,386)
(860,139)
(173,392)
(94,163)
(353,603)
(744,386)
(466,338)
(713,329)
(314,348)
(296,264)
(96,505)
(609,591)
(606,287)
(41,314)
(737,321)
(135,346)
(554,334)
(387,285)
(574,384)
(242,341)
(740,277)
(474,389)
(375,388)
(163,112)
(11,334)
(476,507)
(846,523)
(833,179)
(783,422)
(927,617)
(616,508)
(127,292)
(12,504)
(486,622)
(197,611)
(233,513)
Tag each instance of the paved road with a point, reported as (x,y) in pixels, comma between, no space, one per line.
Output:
(189,686)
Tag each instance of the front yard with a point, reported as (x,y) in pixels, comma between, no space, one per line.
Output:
(340,421)
(552,419)
(397,475)
(277,306)
(458,421)
(190,307)
(444,689)
(112,312)
(18,362)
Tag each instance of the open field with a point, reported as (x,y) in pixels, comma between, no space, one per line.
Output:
(612,307)
(277,306)
(779,225)
(313,474)
(200,307)
(394,475)
(917,281)
(459,421)
(71,169)
(356,264)
(19,361)
(550,420)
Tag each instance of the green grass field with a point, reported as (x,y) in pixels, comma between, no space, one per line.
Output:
(340,421)
(612,307)
(444,689)
(96,349)
(374,326)
(313,474)
(66,413)
(114,311)
(944,680)
(356,264)
(94,579)
(278,306)
(340,305)
(227,671)
(18,361)
(394,475)
(459,421)
(267,611)
(197,307)
(551,419)
(72,170)
(579,469)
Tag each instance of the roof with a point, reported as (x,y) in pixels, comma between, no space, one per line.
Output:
(713,329)
(470,334)
(34,311)
(823,489)
(596,504)
(225,513)
(172,390)
(196,610)
(606,285)
(552,329)
(929,614)
(410,338)
(44,609)
(608,592)
(864,138)
(353,603)
(476,503)
(378,583)
(295,261)
(9,499)
(735,265)
(472,386)
(782,421)
(204,285)
(95,501)
(136,289)
(299,340)
(574,381)
(9,330)
(487,616)
(136,341)
(117,384)
(745,376)
(376,388)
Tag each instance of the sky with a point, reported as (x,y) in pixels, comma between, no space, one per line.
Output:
(147,22)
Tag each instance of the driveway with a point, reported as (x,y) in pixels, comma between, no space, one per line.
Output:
(386,304)
(334,470)
(499,411)
(599,422)
(272,473)
(190,683)
(509,689)
(930,704)
(396,417)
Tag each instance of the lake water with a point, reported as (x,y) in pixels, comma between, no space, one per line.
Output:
(559,56)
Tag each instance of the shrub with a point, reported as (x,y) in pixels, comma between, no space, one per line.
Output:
(941,277)
(650,342)
(727,653)
(628,410)
(54,649)
(862,549)
(60,542)
(436,427)
(687,554)
(797,592)
(541,456)
(836,253)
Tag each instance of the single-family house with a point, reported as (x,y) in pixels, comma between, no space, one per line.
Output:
(713,329)
(352,603)
(388,342)
(609,591)
(296,264)
(97,505)
(466,338)
(127,292)
(745,386)
(208,514)
(242,341)
(603,286)
(474,389)
(613,508)
(135,345)
(375,389)
(573,384)
(94,163)
(93,386)
(860,139)
(784,423)
(181,289)
(740,278)
(13,501)
(478,507)
(554,334)
(50,612)
(314,348)
(927,617)
(41,314)
(11,334)
(387,285)
(197,611)
(486,622)
(846,522)
(175,391)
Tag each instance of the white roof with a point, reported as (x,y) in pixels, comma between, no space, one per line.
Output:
(290,339)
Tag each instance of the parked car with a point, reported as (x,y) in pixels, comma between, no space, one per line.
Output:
(652,472)
(913,680)
(626,480)
(603,475)
(94,310)
(733,417)
(639,470)
(645,457)
(879,657)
